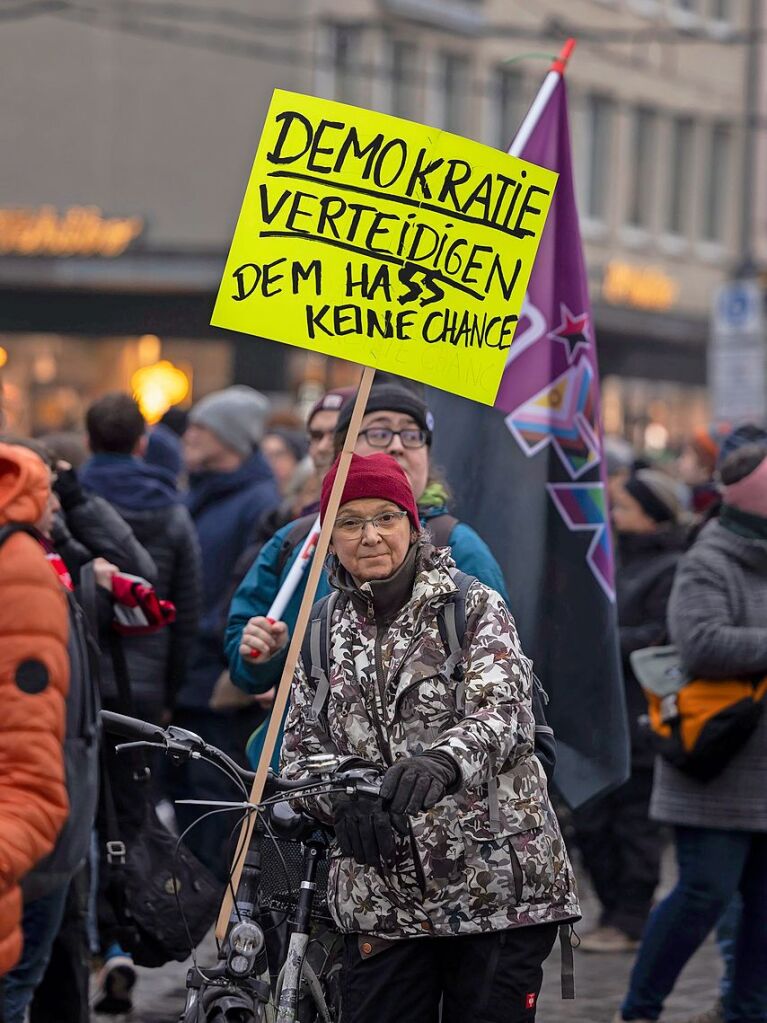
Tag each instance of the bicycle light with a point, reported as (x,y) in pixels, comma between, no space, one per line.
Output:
(240,965)
(246,938)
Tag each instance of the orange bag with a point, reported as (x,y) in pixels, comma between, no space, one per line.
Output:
(697,725)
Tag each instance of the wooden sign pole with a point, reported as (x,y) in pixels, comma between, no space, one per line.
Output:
(283,690)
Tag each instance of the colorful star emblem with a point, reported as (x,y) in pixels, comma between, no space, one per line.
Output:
(573,331)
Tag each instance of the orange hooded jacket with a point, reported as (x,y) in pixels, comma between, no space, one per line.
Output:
(34,680)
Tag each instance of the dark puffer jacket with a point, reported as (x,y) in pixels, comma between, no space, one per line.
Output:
(646,566)
(157,663)
(93,529)
(146,498)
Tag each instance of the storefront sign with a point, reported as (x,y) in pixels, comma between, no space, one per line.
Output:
(643,287)
(384,242)
(78,231)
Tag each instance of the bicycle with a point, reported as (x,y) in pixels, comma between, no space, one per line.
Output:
(238,989)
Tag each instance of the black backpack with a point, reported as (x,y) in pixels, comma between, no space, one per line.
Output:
(451,622)
(81,755)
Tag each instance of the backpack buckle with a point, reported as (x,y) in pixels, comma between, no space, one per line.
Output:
(115,853)
(669,708)
(311,716)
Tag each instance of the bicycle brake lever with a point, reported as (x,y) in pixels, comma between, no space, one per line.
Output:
(368,790)
(123,746)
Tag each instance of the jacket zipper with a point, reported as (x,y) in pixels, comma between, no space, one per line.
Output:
(385,749)
(516,869)
(373,699)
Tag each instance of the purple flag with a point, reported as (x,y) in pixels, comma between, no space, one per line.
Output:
(550,388)
(532,481)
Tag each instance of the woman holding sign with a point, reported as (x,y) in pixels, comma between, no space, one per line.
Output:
(451,883)
(397,421)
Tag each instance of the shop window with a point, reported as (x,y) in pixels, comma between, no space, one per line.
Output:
(344,49)
(510,105)
(49,380)
(403,70)
(642,163)
(453,84)
(717,171)
(680,175)
(597,169)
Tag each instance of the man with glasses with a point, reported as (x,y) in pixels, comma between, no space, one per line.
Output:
(398,422)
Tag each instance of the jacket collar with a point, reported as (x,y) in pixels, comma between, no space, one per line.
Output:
(381,599)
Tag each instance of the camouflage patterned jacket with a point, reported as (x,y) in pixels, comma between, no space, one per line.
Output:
(487,858)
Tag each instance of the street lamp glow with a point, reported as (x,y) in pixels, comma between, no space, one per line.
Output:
(157,387)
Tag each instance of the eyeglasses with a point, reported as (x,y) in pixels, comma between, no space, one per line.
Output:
(382,436)
(315,436)
(385,522)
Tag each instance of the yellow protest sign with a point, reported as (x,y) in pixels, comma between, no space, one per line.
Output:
(385,242)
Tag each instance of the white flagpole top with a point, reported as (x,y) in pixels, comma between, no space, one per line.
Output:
(545,93)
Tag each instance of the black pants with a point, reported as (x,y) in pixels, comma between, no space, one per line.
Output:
(479,978)
(621,849)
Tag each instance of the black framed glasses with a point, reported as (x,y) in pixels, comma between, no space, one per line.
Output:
(382,436)
(353,527)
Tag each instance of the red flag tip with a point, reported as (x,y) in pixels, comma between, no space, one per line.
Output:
(560,63)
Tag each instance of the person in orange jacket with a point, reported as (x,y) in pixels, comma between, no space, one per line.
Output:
(34,681)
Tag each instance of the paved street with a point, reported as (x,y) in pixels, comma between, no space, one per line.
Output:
(600,983)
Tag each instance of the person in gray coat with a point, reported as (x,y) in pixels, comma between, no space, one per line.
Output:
(718,620)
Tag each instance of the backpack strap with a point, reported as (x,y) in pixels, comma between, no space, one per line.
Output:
(451,622)
(7,531)
(440,528)
(315,652)
(295,536)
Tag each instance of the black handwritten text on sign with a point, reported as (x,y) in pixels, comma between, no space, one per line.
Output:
(382,241)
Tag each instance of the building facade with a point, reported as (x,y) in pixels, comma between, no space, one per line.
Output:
(131,128)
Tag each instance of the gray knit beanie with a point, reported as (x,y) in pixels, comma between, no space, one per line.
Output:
(237,416)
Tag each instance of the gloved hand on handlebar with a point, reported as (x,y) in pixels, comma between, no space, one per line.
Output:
(419,782)
(365,830)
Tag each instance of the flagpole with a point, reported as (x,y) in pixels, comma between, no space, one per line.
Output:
(545,92)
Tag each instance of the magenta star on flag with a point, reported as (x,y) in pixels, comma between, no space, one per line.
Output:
(573,331)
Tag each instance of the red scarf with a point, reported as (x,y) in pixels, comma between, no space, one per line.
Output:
(57,564)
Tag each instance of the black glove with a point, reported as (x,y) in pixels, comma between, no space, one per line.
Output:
(67,488)
(419,782)
(365,830)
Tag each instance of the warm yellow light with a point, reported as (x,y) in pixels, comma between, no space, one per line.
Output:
(157,387)
(644,287)
(149,349)
(3,356)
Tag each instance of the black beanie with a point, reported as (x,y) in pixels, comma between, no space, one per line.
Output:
(391,397)
(748,433)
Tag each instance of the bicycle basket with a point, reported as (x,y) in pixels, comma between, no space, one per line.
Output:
(282,871)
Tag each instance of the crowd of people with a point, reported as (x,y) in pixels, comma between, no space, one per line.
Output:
(138,568)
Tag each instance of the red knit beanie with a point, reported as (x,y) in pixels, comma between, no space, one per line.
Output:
(373,476)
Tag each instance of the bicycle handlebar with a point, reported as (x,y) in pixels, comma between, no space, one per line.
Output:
(180,742)
(132,728)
